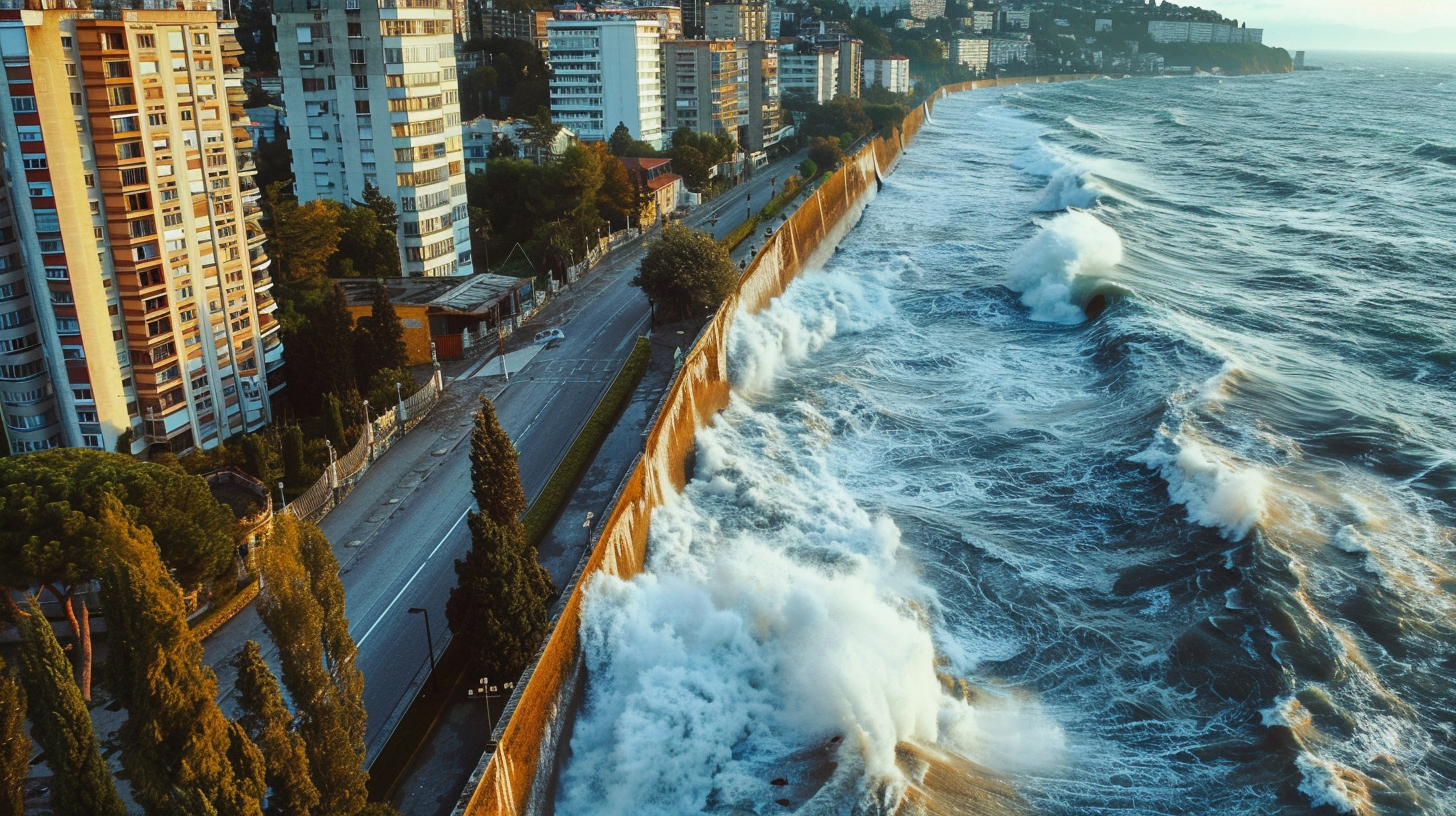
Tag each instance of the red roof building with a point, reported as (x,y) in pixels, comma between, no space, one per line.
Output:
(661,187)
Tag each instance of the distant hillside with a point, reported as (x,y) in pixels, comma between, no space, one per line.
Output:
(1231,58)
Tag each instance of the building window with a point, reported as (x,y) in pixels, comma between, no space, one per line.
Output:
(22,104)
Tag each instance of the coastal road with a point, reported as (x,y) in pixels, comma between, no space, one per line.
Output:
(397,535)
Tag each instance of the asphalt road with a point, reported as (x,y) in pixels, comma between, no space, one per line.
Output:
(399,532)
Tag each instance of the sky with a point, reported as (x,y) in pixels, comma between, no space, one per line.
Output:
(1373,25)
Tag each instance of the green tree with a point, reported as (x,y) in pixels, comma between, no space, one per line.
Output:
(260,457)
(379,338)
(694,155)
(321,351)
(60,723)
(269,724)
(495,477)
(47,499)
(620,141)
(293,464)
(178,748)
(328,699)
(333,417)
(387,263)
(842,114)
(499,603)
(498,606)
(825,152)
(15,745)
(686,273)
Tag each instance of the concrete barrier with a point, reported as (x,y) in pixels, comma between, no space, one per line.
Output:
(518,778)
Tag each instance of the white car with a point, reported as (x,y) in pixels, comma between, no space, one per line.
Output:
(545,337)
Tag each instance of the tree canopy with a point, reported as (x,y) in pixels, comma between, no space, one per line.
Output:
(15,744)
(686,273)
(48,497)
(269,724)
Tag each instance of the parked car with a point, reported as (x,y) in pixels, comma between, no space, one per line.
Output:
(549,336)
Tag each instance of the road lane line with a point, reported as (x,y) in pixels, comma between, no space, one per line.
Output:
(385,613)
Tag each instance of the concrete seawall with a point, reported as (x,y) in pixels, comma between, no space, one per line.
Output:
(518,779)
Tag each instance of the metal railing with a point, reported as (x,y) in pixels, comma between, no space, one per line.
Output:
(379,435)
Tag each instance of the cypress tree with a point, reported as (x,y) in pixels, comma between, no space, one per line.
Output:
(182,754)
(268,723)
(495,479)
(328,700)
(61,725)
(387,264)
(15,746)
(386,335)
(498,605)
(292,437)
(333,417)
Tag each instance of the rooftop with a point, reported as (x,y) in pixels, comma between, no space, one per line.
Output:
(472,294)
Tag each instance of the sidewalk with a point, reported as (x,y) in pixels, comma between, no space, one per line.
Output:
(432,782)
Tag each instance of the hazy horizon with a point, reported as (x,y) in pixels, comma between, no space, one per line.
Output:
(1348,25)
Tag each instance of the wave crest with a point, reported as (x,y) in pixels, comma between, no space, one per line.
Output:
(1047,268)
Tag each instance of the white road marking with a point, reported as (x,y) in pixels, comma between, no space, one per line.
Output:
(385,613)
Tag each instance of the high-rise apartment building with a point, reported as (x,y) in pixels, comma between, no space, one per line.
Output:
(972,52)
(765,117)
(373,98)
(134,292)
(890,73)
(746,20)
(809,72)
(705,84)
(607,70)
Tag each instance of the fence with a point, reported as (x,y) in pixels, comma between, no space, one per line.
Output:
(343,473)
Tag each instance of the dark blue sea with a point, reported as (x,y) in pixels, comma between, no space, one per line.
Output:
(957,547)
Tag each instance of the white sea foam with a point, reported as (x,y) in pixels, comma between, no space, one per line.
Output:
(1047,268)
(761,346)
(774,617)
(776,614)
(1071,178)
(1217,491)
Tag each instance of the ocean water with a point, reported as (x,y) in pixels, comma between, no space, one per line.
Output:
(955,547)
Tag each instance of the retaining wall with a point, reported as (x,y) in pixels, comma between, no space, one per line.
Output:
(518,778)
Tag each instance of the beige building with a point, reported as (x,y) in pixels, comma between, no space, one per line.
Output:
(705,85)
(972,52)
(134,287)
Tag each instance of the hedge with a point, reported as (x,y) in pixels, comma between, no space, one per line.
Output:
(747,228)
(557,492)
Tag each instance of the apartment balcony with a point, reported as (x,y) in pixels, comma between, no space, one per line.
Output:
(256,237)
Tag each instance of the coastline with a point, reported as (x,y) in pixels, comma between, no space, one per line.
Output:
(519,776)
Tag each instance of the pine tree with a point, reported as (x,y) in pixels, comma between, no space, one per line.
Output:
(61,725)
(499,604)
(330,712)
(495,479)
(182,754)
(15,746)
(340,652)
(266,720)
(387,265)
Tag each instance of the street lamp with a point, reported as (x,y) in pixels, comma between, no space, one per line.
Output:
(487,692)
(588,525)
(282,499)
(748,205)
(429,642)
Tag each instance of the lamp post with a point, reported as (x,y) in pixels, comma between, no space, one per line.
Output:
(429,642)
(588,525)
(748,206)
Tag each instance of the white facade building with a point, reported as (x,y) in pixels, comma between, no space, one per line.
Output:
(606,71)
(893,74)
(390,119)
(809,73)
(972,52)
(1170,31)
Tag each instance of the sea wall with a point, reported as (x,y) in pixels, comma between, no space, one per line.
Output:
(518,778)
